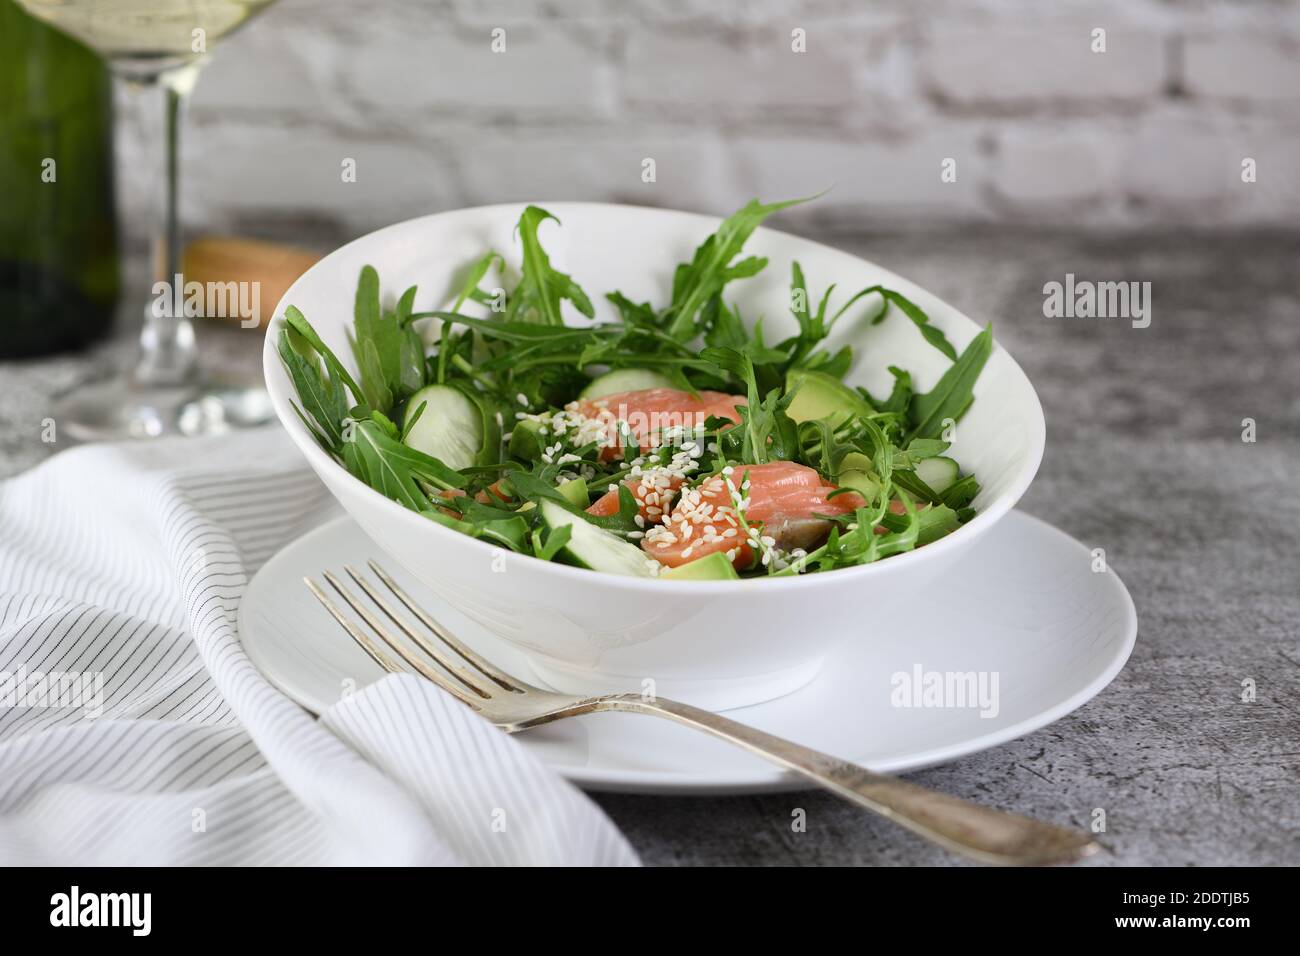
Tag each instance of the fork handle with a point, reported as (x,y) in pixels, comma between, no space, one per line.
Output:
(992,836)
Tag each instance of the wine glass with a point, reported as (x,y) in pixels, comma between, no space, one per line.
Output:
(157,47)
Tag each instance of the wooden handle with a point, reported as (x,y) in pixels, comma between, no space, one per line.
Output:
(274,267)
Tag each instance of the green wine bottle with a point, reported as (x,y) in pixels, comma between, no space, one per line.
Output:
(58,230)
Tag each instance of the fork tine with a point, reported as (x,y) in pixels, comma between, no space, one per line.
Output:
(483,667)
(472,681)
(361,637)
(451,687)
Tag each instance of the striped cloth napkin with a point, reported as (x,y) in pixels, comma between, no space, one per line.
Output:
(134,730)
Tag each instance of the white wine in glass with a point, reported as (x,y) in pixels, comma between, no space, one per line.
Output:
(158,47)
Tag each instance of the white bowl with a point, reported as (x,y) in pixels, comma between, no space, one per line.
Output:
(716,644)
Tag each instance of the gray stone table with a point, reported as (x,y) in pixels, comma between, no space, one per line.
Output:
(1144,458)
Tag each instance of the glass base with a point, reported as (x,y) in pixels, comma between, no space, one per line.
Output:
(117,409)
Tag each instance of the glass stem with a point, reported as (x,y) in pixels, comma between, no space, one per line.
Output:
(168,353)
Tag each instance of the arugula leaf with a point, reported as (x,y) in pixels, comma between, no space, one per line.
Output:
(931,523)
(320,392)
(530,487)
(697,281)
(961,493)
(815,326)
(632,313)
(509,531)
(722,325)
(541,288)
(822,449)
(523,333)
(872,442)
(508,528)
(541,346)
(901,395)
(371,364)
(911,482)
(765,433)
(388,350)
(548,547)
(919,449)
(930,333)
(469,289)
(366,318)
(373,453)
(952,395)
(298,322)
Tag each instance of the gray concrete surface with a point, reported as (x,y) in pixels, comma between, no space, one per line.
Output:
(1145,458)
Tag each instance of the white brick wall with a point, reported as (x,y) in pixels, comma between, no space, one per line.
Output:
(1033,59)
(1150,133)
(1248,67)
(1054,168)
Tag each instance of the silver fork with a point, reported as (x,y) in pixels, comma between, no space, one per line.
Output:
(991,836)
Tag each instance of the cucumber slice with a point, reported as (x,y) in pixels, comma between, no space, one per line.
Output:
(454,427)
(823,396)
(575,490)
(592,547)
(625,380)
(712,567)
(938,473)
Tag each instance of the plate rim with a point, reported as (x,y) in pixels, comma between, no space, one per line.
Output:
(763,779)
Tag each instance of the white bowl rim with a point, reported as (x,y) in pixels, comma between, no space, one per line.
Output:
(980,523)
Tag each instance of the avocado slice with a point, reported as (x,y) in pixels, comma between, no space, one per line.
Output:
(863,482)
(822,396)
(856,472)
(527,441)
(856,461)
(575,492)
(712,567)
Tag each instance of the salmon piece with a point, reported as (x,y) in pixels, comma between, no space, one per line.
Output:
(498,494)
(784,497)
(649,411)
(653,494)
(447,494)
(498,491)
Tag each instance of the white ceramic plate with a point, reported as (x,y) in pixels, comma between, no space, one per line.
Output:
(1024,605)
